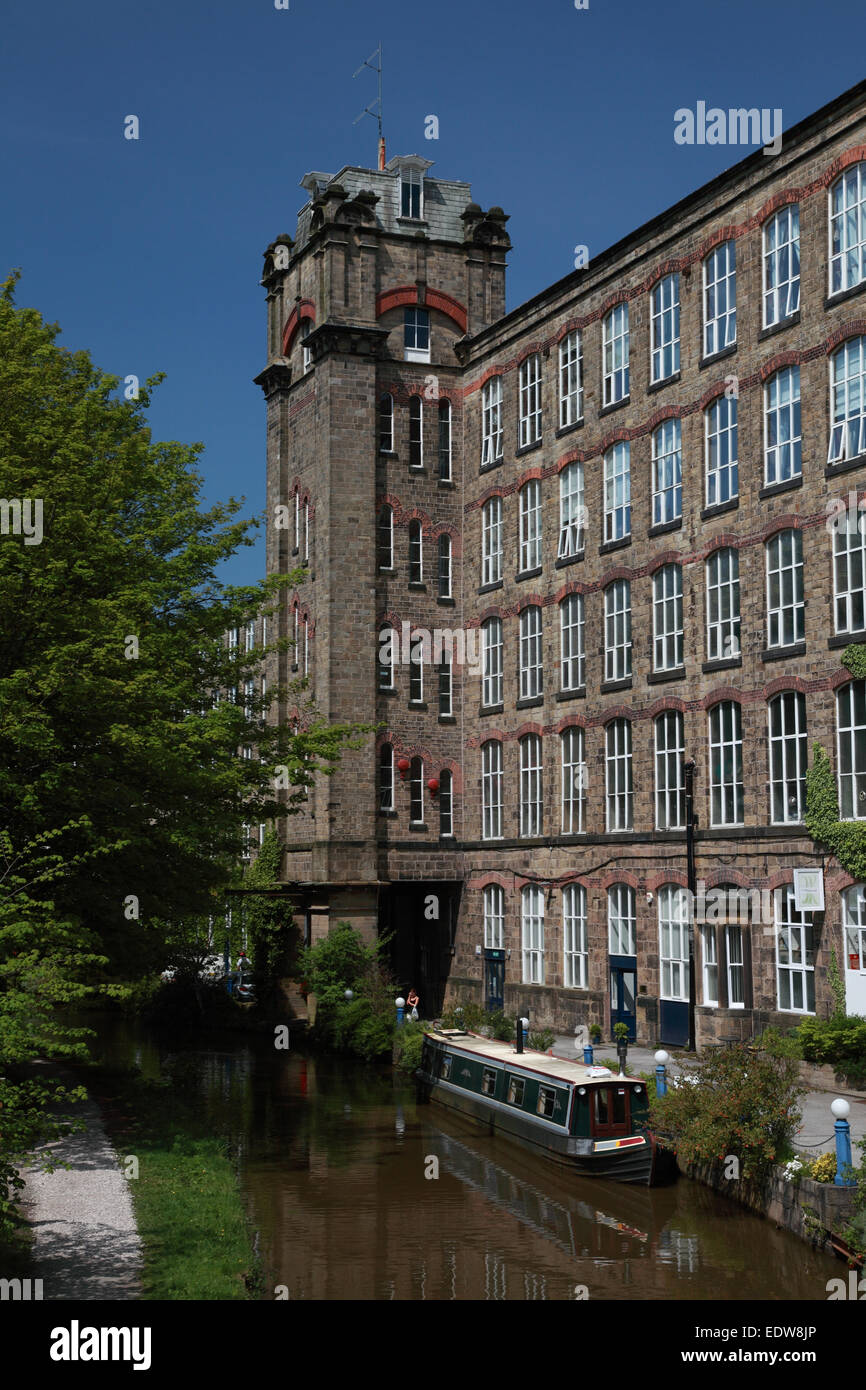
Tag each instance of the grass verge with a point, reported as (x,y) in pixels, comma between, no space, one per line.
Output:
(188,1205)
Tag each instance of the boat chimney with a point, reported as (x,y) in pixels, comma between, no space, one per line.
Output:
(519,1035)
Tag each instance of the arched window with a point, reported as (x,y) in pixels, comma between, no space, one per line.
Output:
(530,526)
(851,754)
(416,432)
(530,785)
(848,401)
(785,597)
(572,647)
(617,630)
(618,775)
(491,421)
(572,513)
(386,424)
(781,265)
(446,808)
(667,473)
(416,553)
(445,441)
(444,566)
(575,955)
(491,648)
(674,941)
(386,777)
(416,791)
(621,938)
(854,923)
(491,541)
(615,355)
(668,618)
(726,764)
(795,954)
(720,298)
(532,934)
(531,657)
(574,778)
(530,400)
(788,754)
(782,432)
(848,229)
(386,538)
(670,787)
(617,492)
(306,330)
(720,451)
(494,917)
(491,790)
(723,605)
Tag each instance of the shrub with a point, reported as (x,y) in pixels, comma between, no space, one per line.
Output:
(739,1102)
(823,1168)
(342,960)
(833,1040)
(408,1042)
(778,1044)
(542,1040)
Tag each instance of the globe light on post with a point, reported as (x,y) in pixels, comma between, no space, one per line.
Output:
(400,1004)
(661,1060)
(840,1110)
(348,995)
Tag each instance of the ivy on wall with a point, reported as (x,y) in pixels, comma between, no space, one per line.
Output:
(846,840)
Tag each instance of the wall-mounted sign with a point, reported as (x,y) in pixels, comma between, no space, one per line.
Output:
(809,890)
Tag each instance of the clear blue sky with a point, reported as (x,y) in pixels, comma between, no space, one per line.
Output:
(148,253)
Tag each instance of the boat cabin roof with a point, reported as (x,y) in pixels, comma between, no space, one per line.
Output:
(557,1068)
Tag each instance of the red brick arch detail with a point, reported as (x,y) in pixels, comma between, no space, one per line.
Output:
(574,876)
(618,297)
(783,685)
(491,492)
(855,328)
(305,310)
(667,557)
(719,695)
(384,739)
(843,162)
(729,540)
(779,878)
(574,586)
(655,881)
(715,239)
(669,267)
(389,499)
(451,765)
(617,436)
(790,522)
(840,881)
(839,678)
(525,729)
(664,412)
(617,712)
(612,876)
(492,876)
(663,705)
(491,736)
(530,601)
(530,476)
(714,878)
(390,619)
(618,572)
(575,456)
(778,200)
(494,611)
(713,392)
(530,350)
(402,295)
(570,721)
(781,359)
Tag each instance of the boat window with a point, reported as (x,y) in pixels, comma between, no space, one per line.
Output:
(445,1067)
(601,1110)
(488,1081)
(546,1100)
(619,1104)
(516,1087)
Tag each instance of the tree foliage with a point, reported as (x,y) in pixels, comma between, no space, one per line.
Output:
(344,961)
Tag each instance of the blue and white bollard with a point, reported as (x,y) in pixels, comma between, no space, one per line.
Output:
(662,1060)
(401,1005)
(525,1025)
(840,1110)
(587,1055)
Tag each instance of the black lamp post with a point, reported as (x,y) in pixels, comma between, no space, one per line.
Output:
(691,820)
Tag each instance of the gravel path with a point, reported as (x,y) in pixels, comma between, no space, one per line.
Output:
(86,1241)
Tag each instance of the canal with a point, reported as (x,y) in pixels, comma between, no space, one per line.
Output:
(337,1163)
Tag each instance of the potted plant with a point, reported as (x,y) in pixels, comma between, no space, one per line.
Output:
(595,1032)
(620,1032)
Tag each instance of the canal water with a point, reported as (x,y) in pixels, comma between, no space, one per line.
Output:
(337,1162)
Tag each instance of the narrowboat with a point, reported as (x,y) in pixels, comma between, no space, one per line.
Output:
(584,1117)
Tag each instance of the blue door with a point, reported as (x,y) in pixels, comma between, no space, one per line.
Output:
(623,993)
(494,979)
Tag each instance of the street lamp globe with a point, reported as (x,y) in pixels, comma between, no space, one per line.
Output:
(840,1108)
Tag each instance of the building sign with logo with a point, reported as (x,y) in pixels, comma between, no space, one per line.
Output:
(809,890)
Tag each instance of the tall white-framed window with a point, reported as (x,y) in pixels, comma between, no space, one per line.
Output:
(575,957)
(665,328)
(668,618)
(416,335)
(726,764)
(788,755)
(446,803)
(670,786)
(795,955)
(306,530)
(848,229)
(416,432)
(492,669)
(854,927)
(530,525)
(306,354)
(249,696)
(491,790)
(444,440)
(785,599)
(386,777)
(416,673)
(387,658)
(849,574)
(416,791)
(621,920)
(446,686)
(710,966)
(573,765)
(491,421)
(617,630)
(233,639)
(416,553)
(444,557)
(385,537)
(782,431)
(571,632)
(720,298)
(848,401)
(491,541)
(781,265)
(530,400)
(667,467)
(674,941)
(411,193)
(530,785)
(572,513)
(617,492)
(532,933)
(851,749)
(570,381)
(493,899)
(386,423)
(615,355)
(249,636)
(720,441)
(531,656)
(735,965)
(618,775)
(723,604)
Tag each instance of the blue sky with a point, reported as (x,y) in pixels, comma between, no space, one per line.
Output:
(148,252)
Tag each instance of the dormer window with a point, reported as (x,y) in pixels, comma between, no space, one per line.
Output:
(411,193)
(416,335)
